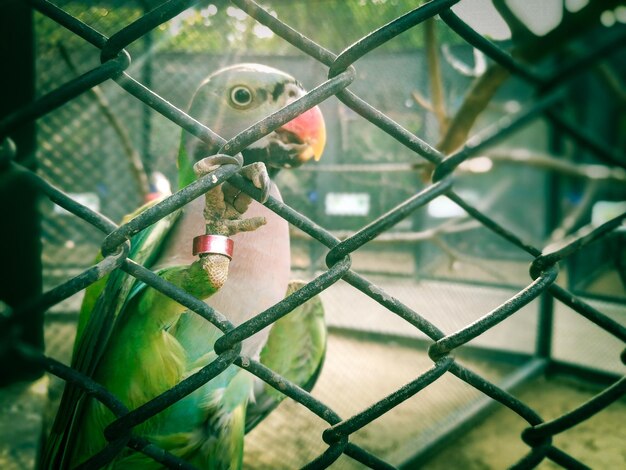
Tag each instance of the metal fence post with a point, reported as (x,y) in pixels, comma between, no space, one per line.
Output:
(20,237)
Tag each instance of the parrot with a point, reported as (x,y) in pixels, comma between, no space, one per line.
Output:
(138,343)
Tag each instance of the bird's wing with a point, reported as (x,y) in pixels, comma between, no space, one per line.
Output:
(215,411)
(100,309)
(295,349)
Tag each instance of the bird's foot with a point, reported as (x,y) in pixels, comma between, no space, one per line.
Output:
(225,204)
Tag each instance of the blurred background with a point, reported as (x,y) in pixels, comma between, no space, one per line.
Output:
(103,146)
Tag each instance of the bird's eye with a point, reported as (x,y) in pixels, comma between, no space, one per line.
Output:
(241,96)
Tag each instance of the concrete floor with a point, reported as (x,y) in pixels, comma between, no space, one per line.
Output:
(494,442)
(360,371)
(453,306)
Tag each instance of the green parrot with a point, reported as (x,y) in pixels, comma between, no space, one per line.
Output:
(138,343)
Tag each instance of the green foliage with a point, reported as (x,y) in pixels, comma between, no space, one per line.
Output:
(335,24)
(216,27)
(103,17)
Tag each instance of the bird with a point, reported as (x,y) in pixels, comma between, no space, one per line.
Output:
(138,343)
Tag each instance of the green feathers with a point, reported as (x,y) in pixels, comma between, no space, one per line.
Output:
(138,343)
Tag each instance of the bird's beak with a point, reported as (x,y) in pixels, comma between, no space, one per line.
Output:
(310,129)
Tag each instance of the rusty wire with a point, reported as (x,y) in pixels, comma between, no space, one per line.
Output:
(544,269)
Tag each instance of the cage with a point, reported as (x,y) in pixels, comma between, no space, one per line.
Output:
(463,230)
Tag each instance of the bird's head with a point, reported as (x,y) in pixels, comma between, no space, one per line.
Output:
(236,97)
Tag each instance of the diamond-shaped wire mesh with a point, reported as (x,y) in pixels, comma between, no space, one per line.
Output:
(509,210)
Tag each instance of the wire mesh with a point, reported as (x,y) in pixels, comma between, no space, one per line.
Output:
(112,65)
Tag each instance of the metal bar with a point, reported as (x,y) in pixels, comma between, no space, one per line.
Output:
(492,225)
(356,422)
(147,71)
(565,460)
(388,220)
(384,122)
(496,133)
(144,412)
(587,311)
(289,389)
(19,198)
(143,25)
(62,95)
(328,457)
(179,295)
(289,34)
(545,323)
(578,415)
(393,305)
(70,375)
(367,459)
(159,455)
(71,23)
(289,112)
(490,49)
(282,308)
(467,418)
(513,305)
(552,213)
(496,393)
(60,198)
(165,108)
(168,205)
(585,139)
(558,251)
(73,286)
(386,33)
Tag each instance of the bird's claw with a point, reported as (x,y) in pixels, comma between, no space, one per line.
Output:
(225,204)
(212,163)
(257,173)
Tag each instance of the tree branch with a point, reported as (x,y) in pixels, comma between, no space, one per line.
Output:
(531,48)
(136,163)
(434,74)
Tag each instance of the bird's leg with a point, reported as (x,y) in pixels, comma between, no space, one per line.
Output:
(223,211)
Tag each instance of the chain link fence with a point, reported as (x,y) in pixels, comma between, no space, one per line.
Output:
(439,168)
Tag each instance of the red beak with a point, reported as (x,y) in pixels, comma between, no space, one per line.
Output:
(310,128)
